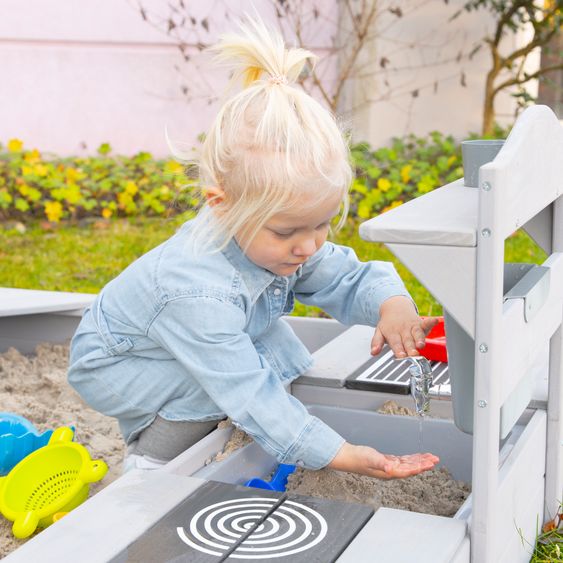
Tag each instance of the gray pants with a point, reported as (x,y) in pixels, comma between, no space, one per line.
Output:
(166,439)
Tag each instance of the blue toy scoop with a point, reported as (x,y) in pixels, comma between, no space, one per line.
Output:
(18,438)
(278,481)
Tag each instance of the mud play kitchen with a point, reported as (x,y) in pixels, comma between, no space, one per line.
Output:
(500,400)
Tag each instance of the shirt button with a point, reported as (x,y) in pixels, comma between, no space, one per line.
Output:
(277,291)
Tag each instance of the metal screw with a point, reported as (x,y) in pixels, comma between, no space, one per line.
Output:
(487,187)
(483,348)
(486,233)
(482,404)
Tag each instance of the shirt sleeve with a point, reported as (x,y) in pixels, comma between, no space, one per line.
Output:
(347,289)
(206,335)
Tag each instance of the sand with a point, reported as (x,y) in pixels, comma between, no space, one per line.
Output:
(36,387)
(432,492)
(237,440)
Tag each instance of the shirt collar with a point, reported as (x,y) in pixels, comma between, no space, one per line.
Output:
(256,279)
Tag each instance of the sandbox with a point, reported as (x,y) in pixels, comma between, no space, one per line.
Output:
(503,432)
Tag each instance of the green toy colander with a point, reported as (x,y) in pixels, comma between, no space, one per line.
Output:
(52,479)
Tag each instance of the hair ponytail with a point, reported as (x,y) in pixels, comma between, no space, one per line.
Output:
(271,146)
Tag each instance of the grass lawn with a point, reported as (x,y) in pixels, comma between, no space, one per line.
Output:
(85,258)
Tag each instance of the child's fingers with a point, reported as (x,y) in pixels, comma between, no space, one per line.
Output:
(395,342)
(419,337)
(377,342)
(409,343)
(429,323)
(403,466)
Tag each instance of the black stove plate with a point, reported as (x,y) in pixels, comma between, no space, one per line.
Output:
(222,522)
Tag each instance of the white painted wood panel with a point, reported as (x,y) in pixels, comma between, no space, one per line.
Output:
(521,340)
(527,174)
(516,195)
(554,458)
(448,273)
(31,301)
(446,216)
(520,493)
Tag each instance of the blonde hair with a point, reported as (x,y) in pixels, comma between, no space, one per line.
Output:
(271,147)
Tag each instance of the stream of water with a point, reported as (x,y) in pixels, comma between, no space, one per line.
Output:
(421,381)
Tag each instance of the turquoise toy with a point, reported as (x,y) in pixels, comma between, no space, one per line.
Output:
(18,438)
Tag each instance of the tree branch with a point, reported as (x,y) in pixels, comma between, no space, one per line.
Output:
(516,80)
(348,65)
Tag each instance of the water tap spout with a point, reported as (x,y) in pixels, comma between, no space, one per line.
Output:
(421,381)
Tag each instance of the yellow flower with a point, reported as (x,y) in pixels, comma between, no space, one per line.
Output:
(383,184)
(32,156)
(106,213)
(73,195)
(131,188)
(392,206)
(364,210)
(173,167)
(27,170)
(124,199)
(72,175)
(54,211)
(15,145)
(40,170)
(406,173)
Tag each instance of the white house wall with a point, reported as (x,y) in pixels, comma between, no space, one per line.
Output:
(77,74)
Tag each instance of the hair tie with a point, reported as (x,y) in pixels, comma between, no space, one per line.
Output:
(277,79)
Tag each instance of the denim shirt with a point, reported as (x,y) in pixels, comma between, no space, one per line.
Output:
(197,337)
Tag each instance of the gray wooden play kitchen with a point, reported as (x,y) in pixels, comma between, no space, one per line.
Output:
(499,399)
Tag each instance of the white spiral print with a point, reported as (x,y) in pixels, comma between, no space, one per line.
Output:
(290,529)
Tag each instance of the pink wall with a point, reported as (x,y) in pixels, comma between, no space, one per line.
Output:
(77,74)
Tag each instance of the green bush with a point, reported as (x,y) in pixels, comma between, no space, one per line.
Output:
(410,167)
(35,186)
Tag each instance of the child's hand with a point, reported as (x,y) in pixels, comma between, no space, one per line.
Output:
(367,461)
(401,327)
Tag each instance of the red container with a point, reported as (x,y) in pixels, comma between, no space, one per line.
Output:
(435,349)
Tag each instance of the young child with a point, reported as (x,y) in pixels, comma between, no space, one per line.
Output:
(191,333)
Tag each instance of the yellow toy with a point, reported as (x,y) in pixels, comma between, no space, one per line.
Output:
(52,479)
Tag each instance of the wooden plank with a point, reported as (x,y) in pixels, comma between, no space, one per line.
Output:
(448,272)
(521,493)
(446,216)
(554,458)
(487,513)
(102,527)
(30,301)
(25,332)
(219,519)
(528,170)
(521,340)
(400,536)
(338,359)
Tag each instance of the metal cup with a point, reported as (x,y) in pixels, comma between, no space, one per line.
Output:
(474,154)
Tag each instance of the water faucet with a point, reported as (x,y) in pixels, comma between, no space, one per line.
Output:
(421,381)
